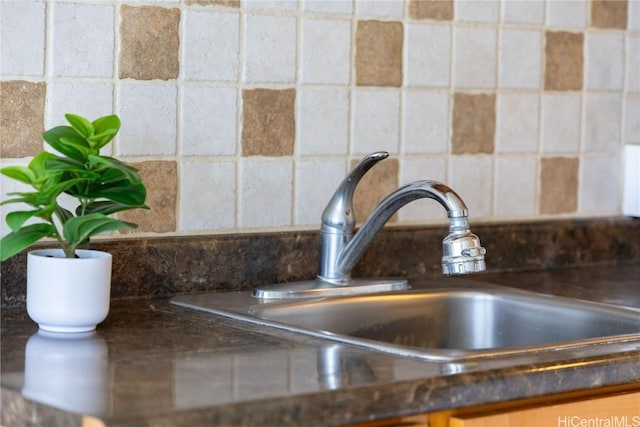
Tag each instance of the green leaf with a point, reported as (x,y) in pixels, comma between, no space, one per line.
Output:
(106,128)
(19,200)
(107,123)
(101,139)
(80,124)
(16,219)
(78,229)
(63,214)
(39,165)
(49,194)
(121,192)
(66,140)
(113,225)
(83,148)
(61,165)
(15,242)
(46,212)
(108,207)
(28,198)
(19,173)
(129,172)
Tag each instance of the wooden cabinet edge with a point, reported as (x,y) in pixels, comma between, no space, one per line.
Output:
(88,421)
(452,418)
(616,410)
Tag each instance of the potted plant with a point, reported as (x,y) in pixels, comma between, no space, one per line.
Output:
(68,288)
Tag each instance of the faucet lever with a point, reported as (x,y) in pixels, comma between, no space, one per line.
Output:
(339,213)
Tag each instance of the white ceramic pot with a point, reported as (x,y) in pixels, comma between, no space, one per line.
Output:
(68,294)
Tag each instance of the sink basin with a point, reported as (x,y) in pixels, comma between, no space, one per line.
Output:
(440,324)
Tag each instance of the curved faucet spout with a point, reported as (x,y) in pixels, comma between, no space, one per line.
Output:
(355,248)
(341,249)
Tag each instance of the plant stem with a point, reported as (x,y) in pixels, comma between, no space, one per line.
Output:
(69,250)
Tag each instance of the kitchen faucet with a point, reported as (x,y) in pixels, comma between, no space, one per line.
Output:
(341,248)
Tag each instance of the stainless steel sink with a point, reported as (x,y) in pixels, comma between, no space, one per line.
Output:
(441,324)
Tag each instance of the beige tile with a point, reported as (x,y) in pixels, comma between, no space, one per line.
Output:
(269,48)
(516,182)
(268,123)
(265,192)
(567,14)
(472,178)
(149,43)
(381,180)
(474,123)
(22,118)
(486,11)
(441,10)
(564,61)
(559,185)
(379,53)
(609,13)
(598,194)
(230,3)
(161,180)
(474,57)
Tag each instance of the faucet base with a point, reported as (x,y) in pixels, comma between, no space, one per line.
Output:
(320,289)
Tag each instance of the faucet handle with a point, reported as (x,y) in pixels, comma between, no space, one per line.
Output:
(339,212)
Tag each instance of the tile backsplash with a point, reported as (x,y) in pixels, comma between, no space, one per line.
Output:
(245,115)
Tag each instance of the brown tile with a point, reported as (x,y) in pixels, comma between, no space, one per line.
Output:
(230,3)
(474,123)
(381,180)
(564,60)
(379,53)
(22,118)
(559,185)
(161,180)
(268,122)
(150,43)
(441,10)
(609,13)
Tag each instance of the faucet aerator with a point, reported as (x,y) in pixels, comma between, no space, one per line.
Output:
(462,253)
(451,268)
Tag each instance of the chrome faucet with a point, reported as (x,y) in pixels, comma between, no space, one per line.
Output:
(341,248)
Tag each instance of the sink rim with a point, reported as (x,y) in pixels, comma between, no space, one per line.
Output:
(244,307)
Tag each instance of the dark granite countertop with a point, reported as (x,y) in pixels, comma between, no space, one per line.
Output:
(151,363)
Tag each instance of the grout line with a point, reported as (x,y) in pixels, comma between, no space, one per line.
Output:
(115,78)
(496,84)
(48,58)
(178,157)
(296,107)
(583,115)
(451,105)
(352,87)
(623,117)
(540,129)
(238,164)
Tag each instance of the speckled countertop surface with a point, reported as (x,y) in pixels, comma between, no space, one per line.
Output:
(151,363)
